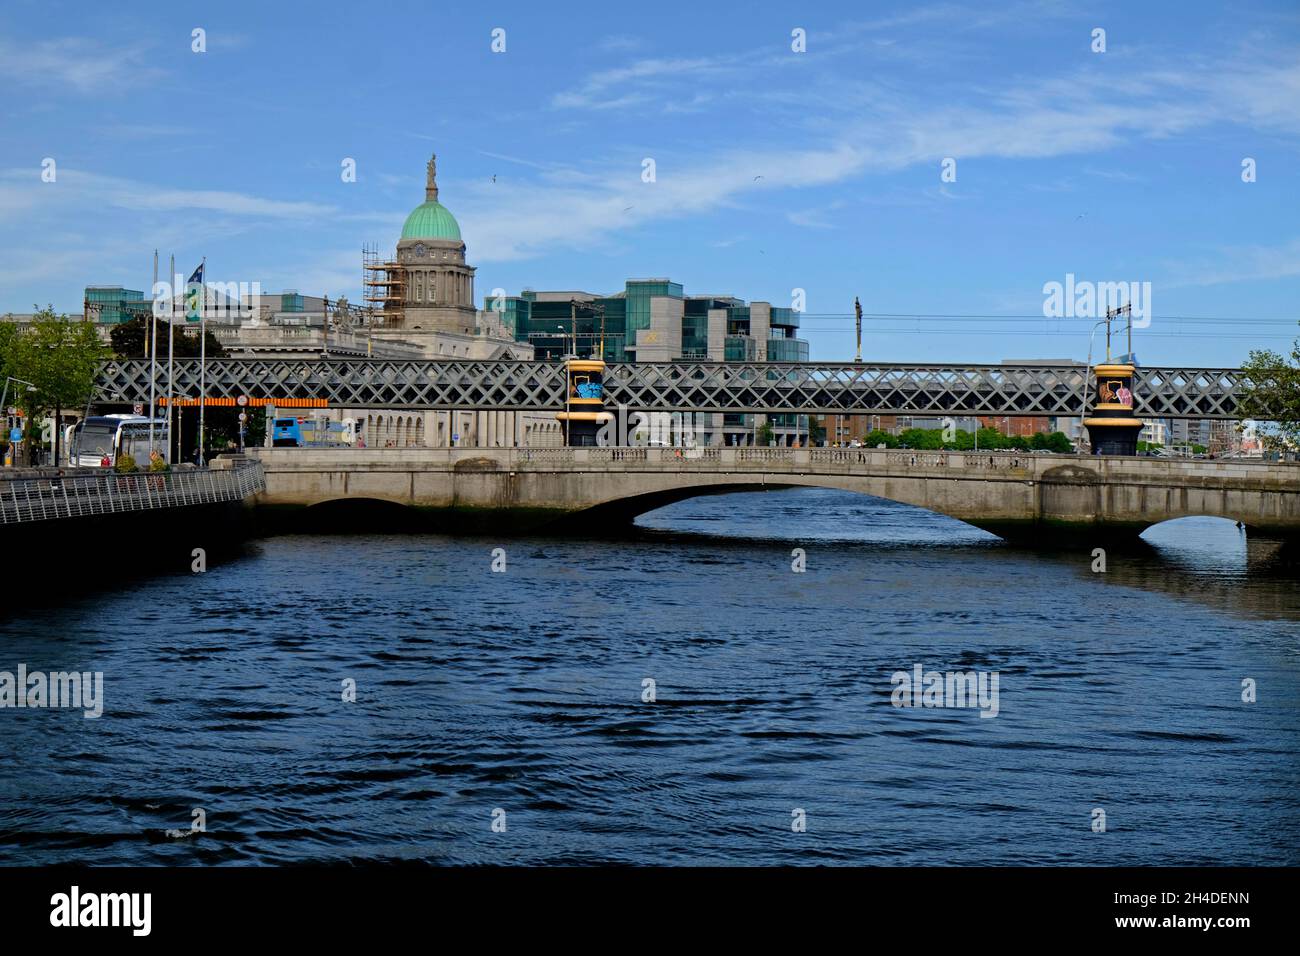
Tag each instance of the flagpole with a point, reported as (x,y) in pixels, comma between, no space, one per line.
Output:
(153,356)
(171,369)
(203,358)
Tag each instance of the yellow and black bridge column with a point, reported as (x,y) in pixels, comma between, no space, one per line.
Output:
(1113,429)
(584,408)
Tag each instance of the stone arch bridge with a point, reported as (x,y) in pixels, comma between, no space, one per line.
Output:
(1029,498)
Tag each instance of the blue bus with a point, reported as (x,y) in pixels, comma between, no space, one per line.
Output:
(287,433)
(315,433)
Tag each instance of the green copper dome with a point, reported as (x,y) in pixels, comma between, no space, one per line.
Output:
(431,220)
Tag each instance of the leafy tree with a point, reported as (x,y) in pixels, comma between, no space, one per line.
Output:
(8,333)
(1272,395)
(878,437)
(129,337)
(61,357)
(765,433)
(816,432)
(1059,442)
(924,438)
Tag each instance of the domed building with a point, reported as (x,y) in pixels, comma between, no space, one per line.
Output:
(424,296)
(439,286)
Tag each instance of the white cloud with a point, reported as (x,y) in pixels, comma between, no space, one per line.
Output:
(1085,112)
(22,191)
(1237,264)
(78,64)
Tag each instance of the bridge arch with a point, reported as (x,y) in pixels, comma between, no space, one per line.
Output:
(625,508)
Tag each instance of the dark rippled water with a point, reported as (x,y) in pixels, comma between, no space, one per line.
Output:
(522,691)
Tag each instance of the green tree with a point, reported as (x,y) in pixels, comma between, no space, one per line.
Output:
(61,357)
(765,434)
(129,339)
(816,432)
(8,334)
(1271,395)
(877,437)
(1059,442)
(924,438)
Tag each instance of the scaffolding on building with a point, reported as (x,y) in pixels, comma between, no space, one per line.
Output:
(384,282)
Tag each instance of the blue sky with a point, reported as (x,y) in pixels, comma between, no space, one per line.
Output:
(775,170)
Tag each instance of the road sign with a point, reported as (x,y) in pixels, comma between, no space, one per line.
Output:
(139,409)
(15,435)
(243,417)
(455,438)
(241,401)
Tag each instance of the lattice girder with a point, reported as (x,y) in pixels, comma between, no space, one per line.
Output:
(736,387)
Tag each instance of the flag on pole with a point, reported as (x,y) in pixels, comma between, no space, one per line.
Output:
(194,296)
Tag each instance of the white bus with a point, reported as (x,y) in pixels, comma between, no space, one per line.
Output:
(116,435)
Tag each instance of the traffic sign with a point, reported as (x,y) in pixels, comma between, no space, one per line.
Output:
(139,409)
(241,401)
(455,438)
(15,435)
(243,417)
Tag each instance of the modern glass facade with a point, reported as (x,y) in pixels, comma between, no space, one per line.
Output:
(787,350)
(559,323)
(555,322)
(112,304)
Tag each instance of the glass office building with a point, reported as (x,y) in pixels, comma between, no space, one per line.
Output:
(658,319)
(560,323)
(113,305)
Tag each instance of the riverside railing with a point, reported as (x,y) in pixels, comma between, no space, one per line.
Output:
(72,496)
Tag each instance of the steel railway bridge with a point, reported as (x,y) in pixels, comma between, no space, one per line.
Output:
(769,387)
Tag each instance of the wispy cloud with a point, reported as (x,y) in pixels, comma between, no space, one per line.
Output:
(1229,264)
(619,43)
(21,191)
(77,64)
(1084,112)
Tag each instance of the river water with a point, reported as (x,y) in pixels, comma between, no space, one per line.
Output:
(503,717)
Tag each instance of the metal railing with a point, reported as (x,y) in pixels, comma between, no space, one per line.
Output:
(54,496)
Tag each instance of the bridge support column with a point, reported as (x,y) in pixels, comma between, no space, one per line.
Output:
(1113,429)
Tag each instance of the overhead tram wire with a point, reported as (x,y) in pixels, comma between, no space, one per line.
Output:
(1242,325)
(1145,334)
(943,316)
